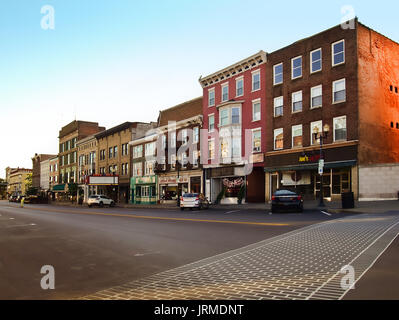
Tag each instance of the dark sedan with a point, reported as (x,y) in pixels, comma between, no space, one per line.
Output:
(287,200)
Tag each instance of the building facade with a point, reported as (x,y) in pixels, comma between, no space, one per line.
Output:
(179,128)
(45,175)
(114,158)
(234,111)
(36,169)
(336,78)
(17,181)
(53,166)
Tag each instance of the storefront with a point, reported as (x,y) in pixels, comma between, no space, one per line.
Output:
(299,172)
(144,190)
(171,185)
(106,185)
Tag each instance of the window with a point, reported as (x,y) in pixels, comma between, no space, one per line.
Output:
(278,139)
(184,136)
(137,152)
(278,74)
(296,65)
(115,152)
(236,147)
(150,149)
(256,110)
(125,149)
(256,81)
(313,125)
(338,53)
(239,87)
(195,134)
(173,140)
(297,136)
(315,61)
(211,125)
(110,152)
(235,115)
(195,159)
(211,149)
(224,147)
(278,106)
(340,128)
(149,168)
(211,97)
(339,91)
(224,117)
(297,101)
(316,97)
(225,92)
(123,169)
(173,161)
(163,142)
(256,140)
(137,169)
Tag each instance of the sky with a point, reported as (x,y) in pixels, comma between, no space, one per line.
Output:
(125,60)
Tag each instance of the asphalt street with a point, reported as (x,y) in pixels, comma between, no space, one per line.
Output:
(96,249)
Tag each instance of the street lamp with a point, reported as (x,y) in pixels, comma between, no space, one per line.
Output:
(321,136)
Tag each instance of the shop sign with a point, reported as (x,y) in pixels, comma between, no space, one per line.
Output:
(143,180)
(257,158)
(231,183)
(173,180)
(296,178)
(103,180)
(309,158)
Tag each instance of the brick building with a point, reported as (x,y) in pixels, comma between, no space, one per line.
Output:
(234,111)
(69,135)
(36,168)
(346,79)
(53,168)
(179,129)
(113,157)
(17,181)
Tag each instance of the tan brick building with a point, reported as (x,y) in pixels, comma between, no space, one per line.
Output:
(17,181)
(113,156)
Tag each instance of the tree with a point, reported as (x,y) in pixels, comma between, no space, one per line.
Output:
(28,181)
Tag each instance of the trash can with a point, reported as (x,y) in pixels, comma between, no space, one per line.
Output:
(348,200)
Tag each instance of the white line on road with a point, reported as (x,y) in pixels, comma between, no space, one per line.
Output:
(22,225)
(233,211)
(12,218)
(329,214)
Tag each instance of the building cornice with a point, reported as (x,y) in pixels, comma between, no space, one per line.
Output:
(249,63)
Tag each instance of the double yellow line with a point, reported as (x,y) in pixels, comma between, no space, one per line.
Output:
(159,218)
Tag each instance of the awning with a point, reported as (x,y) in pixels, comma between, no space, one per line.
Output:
(313,166)
(59,187)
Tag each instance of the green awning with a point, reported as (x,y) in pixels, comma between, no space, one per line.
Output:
(313,166)
(59,187)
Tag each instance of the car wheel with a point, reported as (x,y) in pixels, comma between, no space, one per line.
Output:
(89,205)
(101,204)
(112,204)
(182,208)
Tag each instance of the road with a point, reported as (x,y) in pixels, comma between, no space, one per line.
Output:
(93,250)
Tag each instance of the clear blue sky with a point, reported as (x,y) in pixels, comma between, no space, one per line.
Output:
(124,60)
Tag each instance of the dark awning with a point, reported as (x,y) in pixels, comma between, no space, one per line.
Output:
(313,166)
(59,187)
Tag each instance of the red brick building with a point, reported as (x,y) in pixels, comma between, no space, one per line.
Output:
(234,102)
(347,79)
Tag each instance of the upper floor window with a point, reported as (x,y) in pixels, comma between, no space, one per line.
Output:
(150,149)
(339,91)
(316,97)
(137,151)
(278,106)
(297,136)
(149,168)
(315,61)
(235,115)
(211,149)
(256,80)
(211,123)
(225,92)
(296,64)
(297,101)
(211,97)
(184,136)
(110,151)
(230,116)
(256,110)
(278,74)
(338,53)
(115,152)
(340,128)
(173,140)
(278,139)
(137,169)
(256,140)
(239,86)
(224,117)
(313,125)
(195,134)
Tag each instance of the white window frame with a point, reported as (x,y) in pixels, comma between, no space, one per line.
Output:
(282,105)
(255,102)
(196,134)
(209,122)
(311,61)
(254,73)
(214,149)
(292,68)
(313,124)
(212,90)
(184,136)
(346,128)
(292,135)
(293,101)
(333,91)
(276,133)
(173,139)
(333,54)
(224,85)
(237,81)
(253,140)
(311,96)
(274,74)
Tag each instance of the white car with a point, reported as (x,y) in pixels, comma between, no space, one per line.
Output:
(100,200)
(193,200)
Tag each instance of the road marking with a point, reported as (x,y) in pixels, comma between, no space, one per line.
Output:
(22,225)
(12,218)
(329,214)
(132,216)
(232,211)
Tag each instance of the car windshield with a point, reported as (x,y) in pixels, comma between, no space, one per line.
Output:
(93,197)
(285,193)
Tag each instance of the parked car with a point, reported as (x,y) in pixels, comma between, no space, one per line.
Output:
(287,200)
(13,198)
(100,200)
(193,200)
